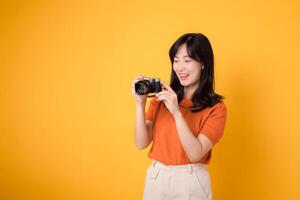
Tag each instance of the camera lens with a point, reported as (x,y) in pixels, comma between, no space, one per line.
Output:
(142,87)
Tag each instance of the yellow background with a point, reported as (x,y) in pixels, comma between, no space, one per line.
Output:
(67,114)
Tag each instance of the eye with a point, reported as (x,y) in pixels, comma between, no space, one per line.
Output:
(187,61)
(175,61)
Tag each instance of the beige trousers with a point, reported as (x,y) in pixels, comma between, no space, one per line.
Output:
(177,182)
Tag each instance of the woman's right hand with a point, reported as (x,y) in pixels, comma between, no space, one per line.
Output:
(138,98)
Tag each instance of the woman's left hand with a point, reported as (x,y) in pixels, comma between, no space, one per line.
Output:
(169,97)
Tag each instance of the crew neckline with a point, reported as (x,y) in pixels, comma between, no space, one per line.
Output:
(185,102)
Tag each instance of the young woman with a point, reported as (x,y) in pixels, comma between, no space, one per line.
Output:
(183,122)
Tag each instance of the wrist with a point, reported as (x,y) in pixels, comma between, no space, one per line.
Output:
(140,104)
(177,114)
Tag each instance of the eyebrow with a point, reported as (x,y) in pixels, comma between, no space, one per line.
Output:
(183,56)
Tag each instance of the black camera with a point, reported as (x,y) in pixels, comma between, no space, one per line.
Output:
(147,86)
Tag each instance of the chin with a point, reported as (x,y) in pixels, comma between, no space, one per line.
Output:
(184,84)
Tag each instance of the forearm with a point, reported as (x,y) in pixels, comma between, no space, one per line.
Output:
(141,134)
(190,143)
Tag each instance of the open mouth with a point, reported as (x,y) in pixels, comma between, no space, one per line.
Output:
(183,76)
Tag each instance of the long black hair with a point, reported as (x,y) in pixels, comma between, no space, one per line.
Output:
(198,48)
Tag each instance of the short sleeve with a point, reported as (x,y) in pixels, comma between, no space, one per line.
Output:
(214,124)
(152,110)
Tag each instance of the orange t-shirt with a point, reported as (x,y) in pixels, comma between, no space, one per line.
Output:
(166,146)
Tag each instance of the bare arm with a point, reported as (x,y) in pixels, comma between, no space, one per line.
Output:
(195,147)
(143,128)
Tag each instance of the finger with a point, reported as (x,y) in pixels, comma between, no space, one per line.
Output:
(172,95)
(164,97)
(163,93)
(137,78)
(167,86)
(133,88)
(167,97)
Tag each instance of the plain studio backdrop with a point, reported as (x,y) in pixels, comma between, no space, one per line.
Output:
(67,114)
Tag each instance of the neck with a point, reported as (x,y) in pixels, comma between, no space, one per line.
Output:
(189,91)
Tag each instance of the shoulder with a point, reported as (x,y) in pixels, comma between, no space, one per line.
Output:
(219,107)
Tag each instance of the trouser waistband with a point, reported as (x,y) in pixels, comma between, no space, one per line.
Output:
(187,167)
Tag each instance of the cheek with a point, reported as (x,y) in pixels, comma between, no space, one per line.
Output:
(175,68)
(196,72)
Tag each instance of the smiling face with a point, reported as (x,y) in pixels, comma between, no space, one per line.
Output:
(187,69)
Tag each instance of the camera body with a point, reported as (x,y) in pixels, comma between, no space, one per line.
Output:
(147,86)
